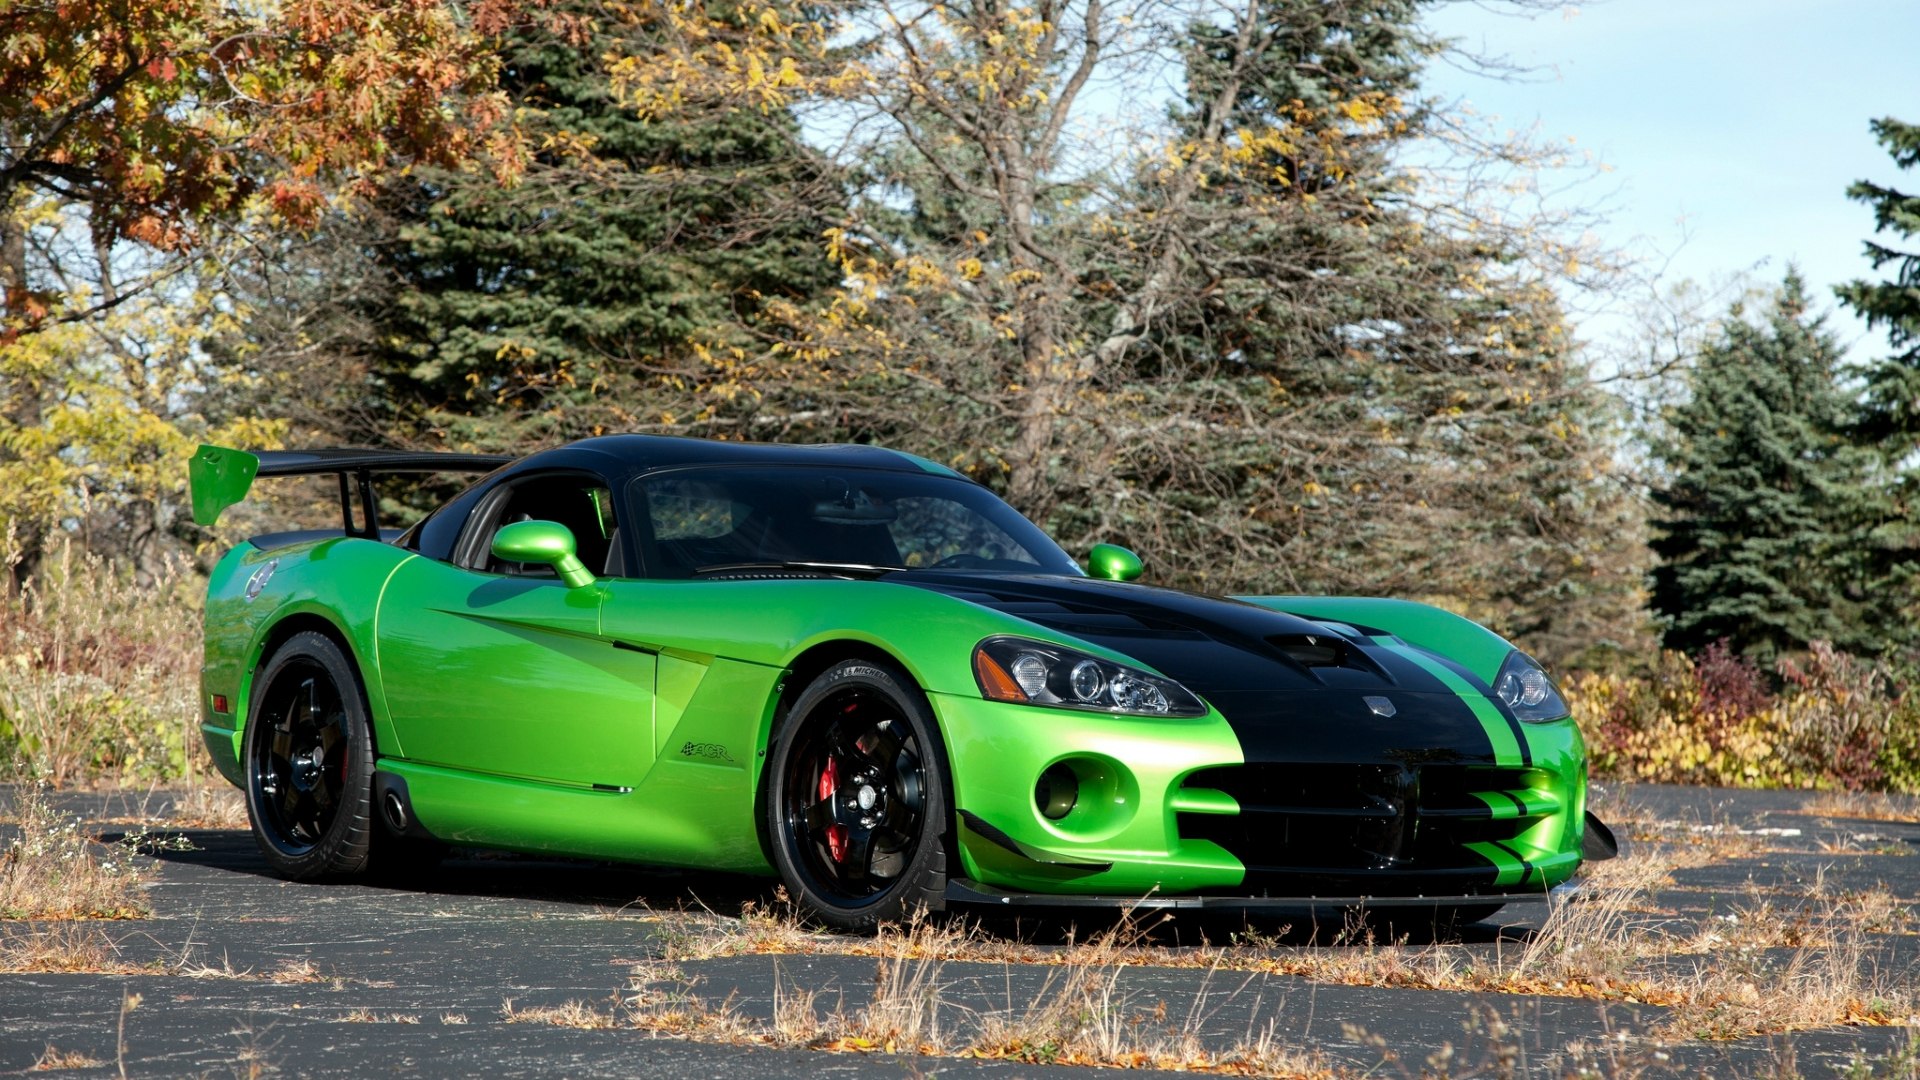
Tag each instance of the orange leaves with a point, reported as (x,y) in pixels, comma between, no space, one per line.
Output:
(156,232)
(296,201)
(159,116)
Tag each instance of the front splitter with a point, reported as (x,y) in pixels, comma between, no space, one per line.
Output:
(962,892)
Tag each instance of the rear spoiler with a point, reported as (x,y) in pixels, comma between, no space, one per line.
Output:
(221,477)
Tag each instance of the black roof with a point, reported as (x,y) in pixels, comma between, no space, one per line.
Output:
(644,453)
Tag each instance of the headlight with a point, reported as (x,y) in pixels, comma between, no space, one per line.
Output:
(1035,673)
(1524,686)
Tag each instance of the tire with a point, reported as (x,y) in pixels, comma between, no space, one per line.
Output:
(858,814)
(309,762)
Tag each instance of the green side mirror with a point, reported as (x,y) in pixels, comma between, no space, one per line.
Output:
(1113,562)
(545,542)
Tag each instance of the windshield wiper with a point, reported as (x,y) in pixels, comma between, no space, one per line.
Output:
(867,569)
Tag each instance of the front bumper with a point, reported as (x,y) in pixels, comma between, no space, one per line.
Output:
(1168,809)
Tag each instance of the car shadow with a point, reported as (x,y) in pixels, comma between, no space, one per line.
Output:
(489,874)
(591,884)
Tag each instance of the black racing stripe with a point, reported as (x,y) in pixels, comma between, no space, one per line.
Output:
(1526,865)
(1519,804)
(1513,724)
(1519,733)
(1337,728)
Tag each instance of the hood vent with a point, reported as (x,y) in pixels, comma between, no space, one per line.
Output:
(1317,650)
(1324,655)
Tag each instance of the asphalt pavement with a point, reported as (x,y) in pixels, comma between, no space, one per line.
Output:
(251,974)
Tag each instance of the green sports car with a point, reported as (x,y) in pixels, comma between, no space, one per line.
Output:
(858,670)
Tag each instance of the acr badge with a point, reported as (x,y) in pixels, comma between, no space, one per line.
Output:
(709,750)
(1381,706)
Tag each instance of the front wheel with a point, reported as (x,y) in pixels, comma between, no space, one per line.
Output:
(857,808)
(309,762)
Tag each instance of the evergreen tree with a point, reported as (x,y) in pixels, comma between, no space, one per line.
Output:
(585,298)
(1758,520)
(1889,420)
(1893,385)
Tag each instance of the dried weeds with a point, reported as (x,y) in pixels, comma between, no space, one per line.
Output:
(54,870)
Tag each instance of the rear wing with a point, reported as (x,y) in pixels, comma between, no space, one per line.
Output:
(222,477)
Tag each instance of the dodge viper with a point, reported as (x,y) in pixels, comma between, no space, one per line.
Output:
(860,671)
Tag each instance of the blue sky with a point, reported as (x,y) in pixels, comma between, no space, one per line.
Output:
(1732,127)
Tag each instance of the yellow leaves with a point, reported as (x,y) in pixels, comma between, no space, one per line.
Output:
(970,268)
(923,273)
(758,56)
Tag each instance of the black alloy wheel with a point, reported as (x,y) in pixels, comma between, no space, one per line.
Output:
(858,807)
(309,761)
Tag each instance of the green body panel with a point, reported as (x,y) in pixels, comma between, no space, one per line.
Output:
(1547,852)
(511,676)
(1459,639)
(1129,769)
(334,582)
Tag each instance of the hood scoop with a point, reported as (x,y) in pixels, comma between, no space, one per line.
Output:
(1328,656)
(1315,650)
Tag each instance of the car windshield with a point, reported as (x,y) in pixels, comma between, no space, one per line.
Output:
(712,520)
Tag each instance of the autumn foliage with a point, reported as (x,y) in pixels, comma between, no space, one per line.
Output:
(1835,721)
(153,117)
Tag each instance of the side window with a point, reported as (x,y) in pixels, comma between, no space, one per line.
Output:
(683,509)
(580,502)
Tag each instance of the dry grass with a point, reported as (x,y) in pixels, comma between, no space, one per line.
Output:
(215,806)
(53,1059)
(660,998)
(368,1016)
(1080,1015)
(574,1014)
(295,972)
(1769,964)
(64,947)
(100,670)
(1863,806)
(53,870)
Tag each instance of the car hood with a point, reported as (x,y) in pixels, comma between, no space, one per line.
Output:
(1211,644)
(1293,688)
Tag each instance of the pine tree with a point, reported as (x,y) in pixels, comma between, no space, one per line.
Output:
(1758,521)
(577,301)
(1889,421)
(1893,411)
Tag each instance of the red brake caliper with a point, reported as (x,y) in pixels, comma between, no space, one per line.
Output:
(836,834)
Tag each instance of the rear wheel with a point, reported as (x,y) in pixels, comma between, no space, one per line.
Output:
(309,761)
(857,809)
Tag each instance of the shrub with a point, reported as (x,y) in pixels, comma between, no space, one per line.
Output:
(98,671)
(1835,721)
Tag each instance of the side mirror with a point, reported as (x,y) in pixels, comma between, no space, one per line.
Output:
(1113,562)
(545,542)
